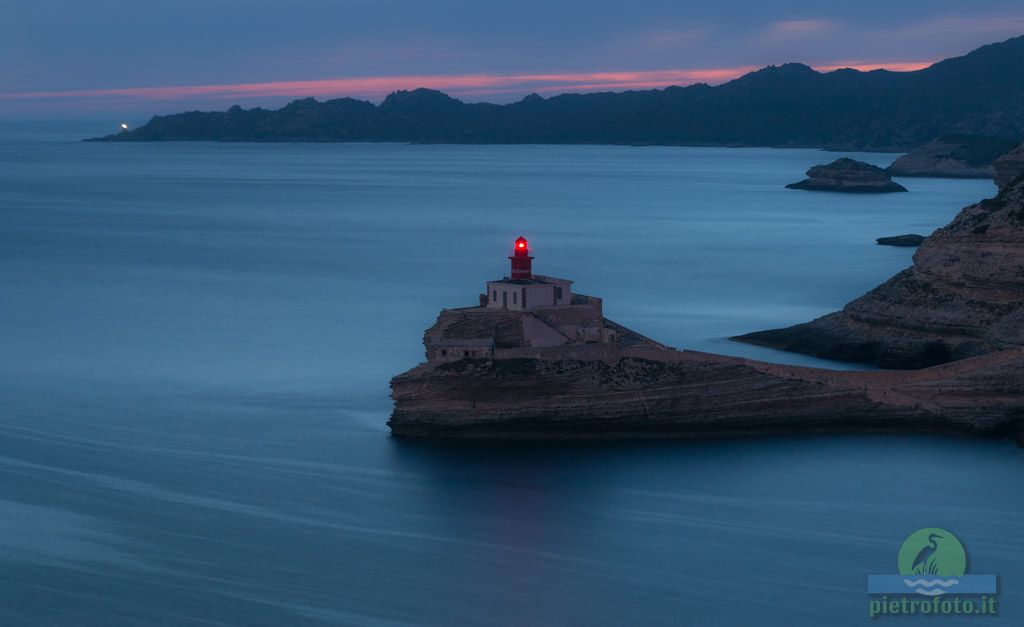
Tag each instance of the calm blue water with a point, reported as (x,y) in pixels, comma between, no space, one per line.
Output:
(196,345)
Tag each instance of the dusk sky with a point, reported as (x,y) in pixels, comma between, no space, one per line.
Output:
(111,58)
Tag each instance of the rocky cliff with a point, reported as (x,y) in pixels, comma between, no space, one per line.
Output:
(848,175)
(953,156)
(640,392)
(963,297)
(1009,167)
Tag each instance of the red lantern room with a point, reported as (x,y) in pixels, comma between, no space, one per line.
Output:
(522,262)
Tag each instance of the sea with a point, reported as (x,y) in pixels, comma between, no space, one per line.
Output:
(196,341)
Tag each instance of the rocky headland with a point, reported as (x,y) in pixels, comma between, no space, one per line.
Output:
(953,156)
(963,296)
(645,391)
(849,176)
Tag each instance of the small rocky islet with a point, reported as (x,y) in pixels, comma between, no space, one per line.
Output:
(909,240)
(848,176)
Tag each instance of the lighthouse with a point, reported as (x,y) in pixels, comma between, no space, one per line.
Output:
(524,311)
(523,290)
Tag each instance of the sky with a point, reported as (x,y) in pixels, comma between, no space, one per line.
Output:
(118,58)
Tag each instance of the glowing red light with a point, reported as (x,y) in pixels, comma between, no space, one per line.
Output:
(522,244)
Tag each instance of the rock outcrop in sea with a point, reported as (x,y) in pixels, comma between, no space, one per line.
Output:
(908,240)
(848,175)
(963,296)
(953,156)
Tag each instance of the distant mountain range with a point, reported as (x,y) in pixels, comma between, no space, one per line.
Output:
(792,105)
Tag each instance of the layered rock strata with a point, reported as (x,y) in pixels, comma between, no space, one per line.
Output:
(641,392)
(849,176)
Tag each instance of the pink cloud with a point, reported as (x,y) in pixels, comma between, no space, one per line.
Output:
(459,85)
(866,66)
(380,85)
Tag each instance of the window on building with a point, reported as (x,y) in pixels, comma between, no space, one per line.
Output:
(513,298)
(495,299)
(558,292)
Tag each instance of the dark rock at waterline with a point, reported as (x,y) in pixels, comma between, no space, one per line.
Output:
(849,176)
(909,240)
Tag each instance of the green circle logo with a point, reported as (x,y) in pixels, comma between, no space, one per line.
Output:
(932,551)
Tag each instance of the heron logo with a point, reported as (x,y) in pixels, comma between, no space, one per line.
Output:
(932,563)
(932,551)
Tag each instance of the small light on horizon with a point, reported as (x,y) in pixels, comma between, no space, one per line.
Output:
(124,126)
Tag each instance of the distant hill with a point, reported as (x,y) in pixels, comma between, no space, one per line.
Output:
(981,93)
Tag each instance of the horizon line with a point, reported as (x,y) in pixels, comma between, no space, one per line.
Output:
(454,84)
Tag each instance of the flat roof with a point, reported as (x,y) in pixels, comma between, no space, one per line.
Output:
(538,279)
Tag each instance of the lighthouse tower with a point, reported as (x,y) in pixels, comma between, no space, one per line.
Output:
(522,262)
